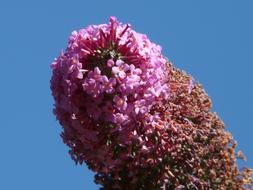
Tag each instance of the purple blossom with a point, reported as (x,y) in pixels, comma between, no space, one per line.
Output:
(129,114)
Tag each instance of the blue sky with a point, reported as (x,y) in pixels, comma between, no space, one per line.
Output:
(211,40)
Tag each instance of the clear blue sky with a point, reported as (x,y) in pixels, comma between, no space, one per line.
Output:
(211,40)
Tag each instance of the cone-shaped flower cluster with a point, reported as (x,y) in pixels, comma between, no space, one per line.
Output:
(135,120)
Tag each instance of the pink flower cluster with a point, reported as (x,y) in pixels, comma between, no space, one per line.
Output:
(112,61)
(134,119)
(104,85)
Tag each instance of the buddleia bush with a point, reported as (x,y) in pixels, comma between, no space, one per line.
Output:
(137,121)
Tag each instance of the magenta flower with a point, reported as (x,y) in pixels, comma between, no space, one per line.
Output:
(134,119)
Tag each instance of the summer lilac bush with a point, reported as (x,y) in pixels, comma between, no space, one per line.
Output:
(136,120)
